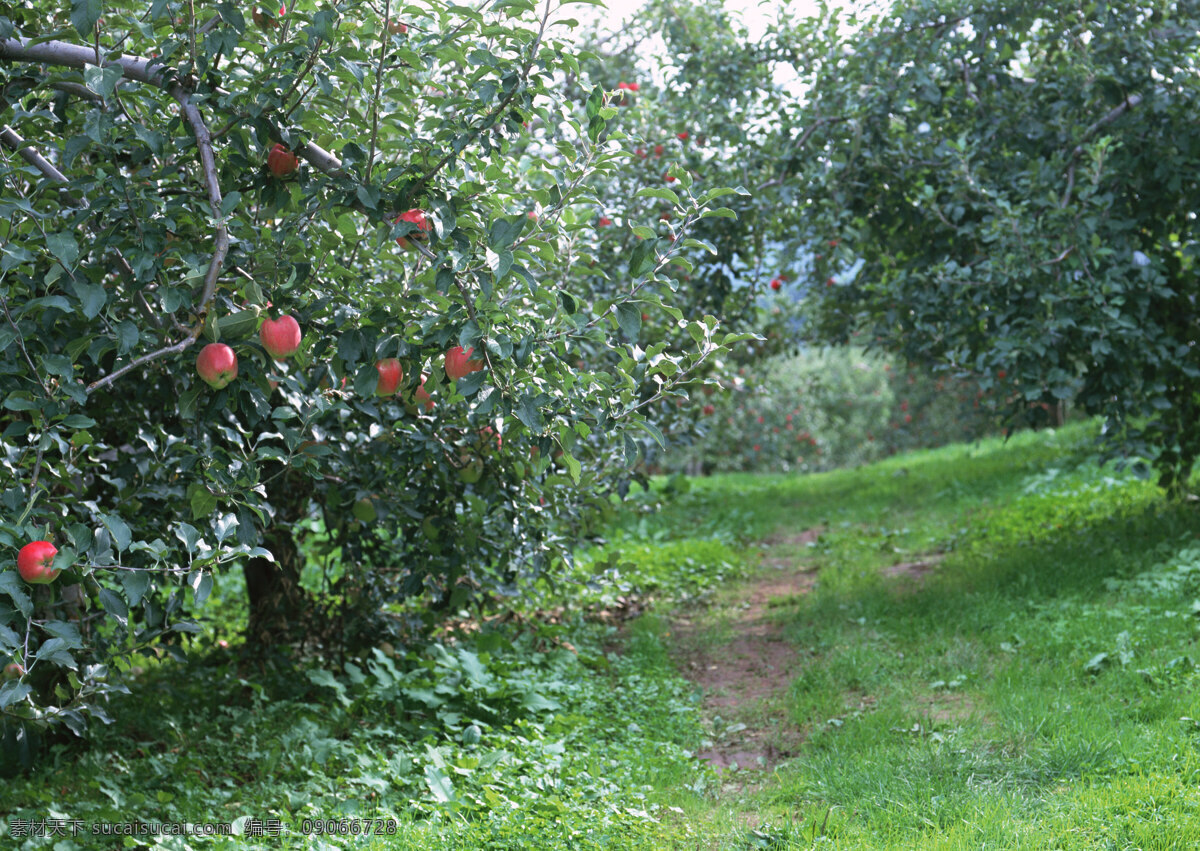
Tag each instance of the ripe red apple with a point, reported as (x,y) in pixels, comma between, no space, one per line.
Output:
(267,22)
(217,365)
(417,217)
(658,150)
(14,670)
(641,152)
(776,284)
(397,27)
(422,396)
(1001,374)
(604,222)
(459,363)
(280,337)
(390,376)
(281,161)
(683,137)
(709,410)
(668,178)
(35,562)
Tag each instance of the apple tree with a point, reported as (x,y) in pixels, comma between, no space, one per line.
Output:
(463,386)
(1014,190)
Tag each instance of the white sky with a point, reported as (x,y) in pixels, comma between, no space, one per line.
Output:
(755,13)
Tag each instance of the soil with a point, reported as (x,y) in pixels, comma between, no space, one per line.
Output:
(737,655)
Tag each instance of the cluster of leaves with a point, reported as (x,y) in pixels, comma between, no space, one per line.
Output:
(139,219)
(501,738)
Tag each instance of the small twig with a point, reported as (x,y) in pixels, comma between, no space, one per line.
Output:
(383,45)
(21,342)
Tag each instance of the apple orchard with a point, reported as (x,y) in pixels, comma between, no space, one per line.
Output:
(337,285)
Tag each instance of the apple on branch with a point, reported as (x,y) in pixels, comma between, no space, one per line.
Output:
(422,395)
(417,217)
(280,337)
(390,376)
(459,363)
(217,365)
(266,21)
(35,562)
(281,161)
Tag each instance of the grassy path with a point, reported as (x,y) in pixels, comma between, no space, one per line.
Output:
(982,648)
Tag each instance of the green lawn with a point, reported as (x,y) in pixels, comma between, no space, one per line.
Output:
(1033,687)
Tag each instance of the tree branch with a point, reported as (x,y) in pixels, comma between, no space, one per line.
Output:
(1116,112)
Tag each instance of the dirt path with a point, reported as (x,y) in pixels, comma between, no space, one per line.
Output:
(736,653)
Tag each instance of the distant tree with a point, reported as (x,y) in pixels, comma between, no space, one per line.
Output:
(1020,184)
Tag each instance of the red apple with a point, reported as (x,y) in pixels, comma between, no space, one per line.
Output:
(658,150)
(683,137)
(281,161)
(604,222)
(1001,374)
(459,363)
(217,365)
(390,376)
(280,337)
(709,410)
(776,284)
(267,22)
(417,217)
(487,433)
(397,27)
(14,670)
(35,562)
(668,178)
(422,396)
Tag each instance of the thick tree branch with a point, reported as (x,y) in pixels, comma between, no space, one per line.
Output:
(1116,112)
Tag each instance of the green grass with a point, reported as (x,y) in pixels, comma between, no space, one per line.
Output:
(1035,689)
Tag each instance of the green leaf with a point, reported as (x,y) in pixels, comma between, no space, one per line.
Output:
(55,651)
(713,194)
(102,80)
(439,785)
(656,192)
(12,692)
(114,605)
(84,15)
(229,202)
(643,257)
(653,430)
(202,501)
(573,466)
(629,318)
(118,529)
(11,584)
(136,583)
(64,247)
(527,412)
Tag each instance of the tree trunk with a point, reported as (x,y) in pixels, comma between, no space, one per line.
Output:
(280,609)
